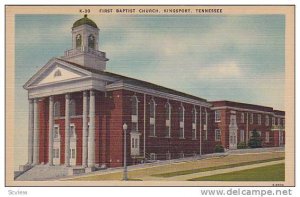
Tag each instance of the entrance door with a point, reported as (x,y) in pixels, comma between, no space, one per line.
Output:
(73,150)
(280,138)
(56,145)
(233,139)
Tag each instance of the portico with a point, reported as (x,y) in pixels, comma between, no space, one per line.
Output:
(54,132)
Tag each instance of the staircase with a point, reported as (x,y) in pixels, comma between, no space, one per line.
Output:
(43,172)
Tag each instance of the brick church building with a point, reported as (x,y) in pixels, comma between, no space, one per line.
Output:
(77,110)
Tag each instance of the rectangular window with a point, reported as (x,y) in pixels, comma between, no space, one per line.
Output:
(206,138)
(278,121)
(181,114)
(181,133)
(283,122)
(242,118)
(251,118)
(242,136)
(194,134)
(267,137)
(273,121)
(72,153)
(194,113)
(136,143)
(267,120)
(72,130)
(204,118)
(56,132)
(217,116)
(217,135)
(259,119)
(132,142)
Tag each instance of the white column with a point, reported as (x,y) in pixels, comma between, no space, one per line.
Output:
(30,132)
(67,130)
(84,130)
(51,123)
(91,137)
(35,132)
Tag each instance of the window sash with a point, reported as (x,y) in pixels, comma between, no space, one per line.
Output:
(217,116)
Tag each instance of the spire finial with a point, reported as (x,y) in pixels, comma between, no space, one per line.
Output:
(85,16)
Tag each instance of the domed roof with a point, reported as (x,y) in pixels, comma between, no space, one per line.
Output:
(84,20)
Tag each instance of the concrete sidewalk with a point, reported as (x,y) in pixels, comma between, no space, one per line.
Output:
(209,173)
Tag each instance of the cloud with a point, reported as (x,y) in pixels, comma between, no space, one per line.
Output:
(224,70)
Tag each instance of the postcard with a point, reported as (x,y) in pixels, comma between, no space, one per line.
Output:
(150,95)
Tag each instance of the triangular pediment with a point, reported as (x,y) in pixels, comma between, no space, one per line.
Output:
(56,71)
(59,73)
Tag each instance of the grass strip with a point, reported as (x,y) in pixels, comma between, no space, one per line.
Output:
(266,173)
(192,171)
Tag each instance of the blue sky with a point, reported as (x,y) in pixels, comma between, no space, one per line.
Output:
(238,57)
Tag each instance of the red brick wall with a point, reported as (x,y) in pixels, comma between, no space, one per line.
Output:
(160,144)
(43,109)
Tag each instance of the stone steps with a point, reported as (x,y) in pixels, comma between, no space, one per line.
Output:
(43,172)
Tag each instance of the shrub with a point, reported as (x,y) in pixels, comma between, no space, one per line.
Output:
(219,148)
(255,141)
(241,145)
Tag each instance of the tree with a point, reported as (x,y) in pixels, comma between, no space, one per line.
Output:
(255,140)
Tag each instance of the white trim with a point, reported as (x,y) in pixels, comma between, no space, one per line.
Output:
(242,137)
(54,127)
(267,140)
(218,140)
(242,109)
(78,85)
(259,119)
(143,90)
(251,118)
(242,121)
(217,112)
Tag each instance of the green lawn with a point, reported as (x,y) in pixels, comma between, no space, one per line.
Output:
(192,171)
(266,173)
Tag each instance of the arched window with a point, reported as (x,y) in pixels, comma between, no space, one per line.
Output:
(57,109)
(134,114)
(91,41)
(72,108)
(181,113)
(194,118)
(78,41)
(152,109)
(168,119)
(152,117)
(134,105)
(194,114)
(181,119)
(57,73)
